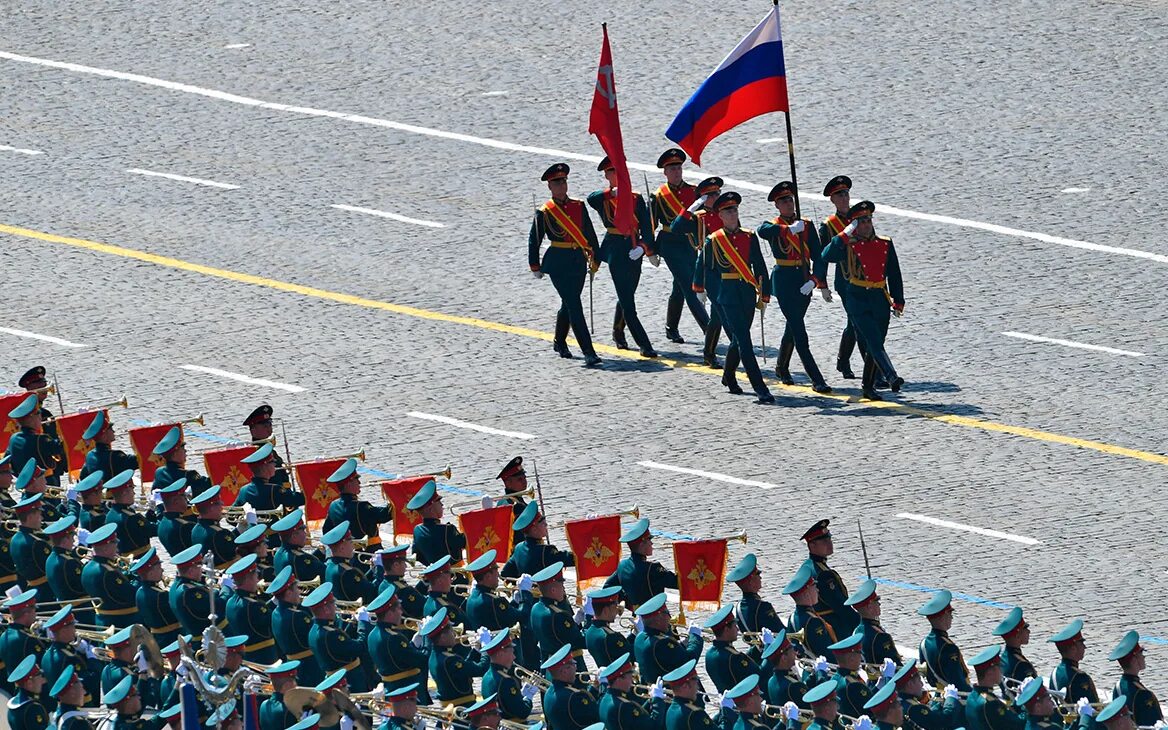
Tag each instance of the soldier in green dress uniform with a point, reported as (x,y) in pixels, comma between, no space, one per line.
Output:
(824,706)
(35,441)
(31,482)
(885,708)
(746,698)
(943,712)
(1067,677)
(694,223)
(552,620)
(531,555)
(134,528)
(754,614)
(514,478)
(818,634)
(1039,705)
(686,711)
(127,704)
(30,550)
(342,570)
(65,652)
(573,253)
(190,598)
(984,710)
(656,648)
(89,508)
(784,684)
(877,644)
(273,714)
(17,639)
(619,708)
(69,694)
(293,534)
(248,614)
(666,203)
(639,577)
(393,566)
(838,191)
(291,626)
(103,456)
(434,539)
(852,691)
(401,659)
(25,710)
(453,673)
(253,541)
(153,599)
(208,533)
(940,656)
(1015,633)
(485,608)
(604,642)
(175,523)
(832,592)
(403,703)
(173,449)
(484,714)
(64,565)
(264,491)
(103,578)
(1115,716)
(122,662)
(334,646)
(1141,701)
(515,697)
(726,665)
(567,705)
(439,581)
(259,424)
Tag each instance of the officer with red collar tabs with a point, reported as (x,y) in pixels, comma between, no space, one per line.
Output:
(259,422)
(874,288)
(833,594)
(35,381)
(666,203)
(695,223)
(573,252)
(514,479)
(624,255)
(732,255)
(799,270)
(838,191)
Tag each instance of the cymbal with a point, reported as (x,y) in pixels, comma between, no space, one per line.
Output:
(299,698)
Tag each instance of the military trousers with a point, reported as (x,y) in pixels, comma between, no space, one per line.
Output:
(785,289)
(626,275)
(569,284)
(869,312)
(736,300)
(681,259)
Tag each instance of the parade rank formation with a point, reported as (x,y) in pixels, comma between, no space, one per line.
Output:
(253,625)
(711,256)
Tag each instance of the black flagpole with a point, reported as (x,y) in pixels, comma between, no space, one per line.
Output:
(791,144)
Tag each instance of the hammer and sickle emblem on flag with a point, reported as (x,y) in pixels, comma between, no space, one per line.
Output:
(701,575)
(489,538)
(605,86)
(597,552)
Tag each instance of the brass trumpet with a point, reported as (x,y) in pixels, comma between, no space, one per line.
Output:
(634,512)
(122,403)
(47,390)
(75,602)
(197,419)
(477,503)
(739,536)
(526,675)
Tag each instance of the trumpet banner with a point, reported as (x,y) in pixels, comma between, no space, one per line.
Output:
(225,468)
(144,439)
(8,426)
(399,492)
(488,529)
(71,429)
(701,573)
(312,476)
(596,544)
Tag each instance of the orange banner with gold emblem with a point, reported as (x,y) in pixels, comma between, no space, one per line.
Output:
(225,468)
(399,492)
(8,426)
(596,544)
(701,573)
(312,476)
(71,429)
(488,529)
(144,439)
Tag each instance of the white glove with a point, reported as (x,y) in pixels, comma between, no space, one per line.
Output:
(363,615)
(635,253)
(767,636)
(488,503)
(821,664)
(484,635)
(86,649)
(655,260)
(888,668)
(143,665)
(346,723)
(951,692)
(791,711)
(228,582)
(807,288)
(702,296)
(249,514)
(604,680)
(591,516)
(538,275)
(181,671)
(640,625)
(580,615)
(797,226)
(657,691)
(695,630)
(696,204)
(420,723)
(528,691)
(589,610)
(851,229)
(825,293)
(377,560)
(525,583)
(863,722)
(71,494)
(418,641)
(82,536)
(156,496)
(1084,708)
(726,702)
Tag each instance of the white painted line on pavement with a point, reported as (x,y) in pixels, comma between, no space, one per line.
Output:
(244,378)
(182,178)
(549,152)
(968,528)
(1075,190)
(233,46)
(771,140)
(707,474)
(387,214)
(19,150)
(467,424)
(495,93)
(1072,343)
(42,338)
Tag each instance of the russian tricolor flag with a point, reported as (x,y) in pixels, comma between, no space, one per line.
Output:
(751,81)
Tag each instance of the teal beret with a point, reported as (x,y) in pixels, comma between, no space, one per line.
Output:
(382,598)
(636,531)
(745,567)
(26,667)
(106,532)
(91,481)
(938,603)
(526,517)
(1072,631)
(119,637)
(862,593)
(719,616)
(482,705)
(622,661)
(172,711)
(496,640)
(1113,709)
(395,550)
(220,714)
(284,668)
(848,642)
(653,605)
(247,562)
(190,555)
(144,560)
(321,592)
(288,521)
(62,681)
(28,503)
(884,694)
(743,688)
(434,623)
(1011,622)
(119,480)
(312,721)
(820,692)
(30,403)
(207,495)
(402,693)
(258,455)
(120,691)
(95,426)
(1029,692)
(774,646)
(435,566)
(423,496)
(680,673)
(549,572)
(61,525)
(19,599)
(344,471)
(255,533)
(905,669)
(335,535)
(59,616)
(988,655)
(234,642)
(27,472)
(279,581)
(1126,646)
(559,655)
(483,561)
(177,485)
(169,441)
(802,578)
(603,595)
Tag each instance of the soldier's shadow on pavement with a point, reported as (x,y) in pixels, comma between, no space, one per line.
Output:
(621,365)
(934,386)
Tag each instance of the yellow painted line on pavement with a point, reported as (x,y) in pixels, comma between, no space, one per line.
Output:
(309,291)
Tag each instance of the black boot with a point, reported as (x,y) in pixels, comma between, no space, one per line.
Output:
(592,361)
(731,383)
(618,329)
(710,349)
(843,361)
(896,384)
(559,343)
(783,362)
(618,337)
(673,317)
(867,389)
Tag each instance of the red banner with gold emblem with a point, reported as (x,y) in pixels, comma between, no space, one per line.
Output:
(312,476)
(399,492)
(596,544)
(8,426)
(488,529)
(144,439)
(71,429)
(701,573)
(225,468)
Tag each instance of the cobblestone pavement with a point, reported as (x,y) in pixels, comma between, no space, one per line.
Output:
(976,111)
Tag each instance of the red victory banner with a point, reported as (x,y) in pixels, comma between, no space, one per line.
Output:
(71,429)
(312,476)
(144,439)
(488,529)
(225,468)
(8,426)
(596,544)
(604,122)
(399,492)
(701,573)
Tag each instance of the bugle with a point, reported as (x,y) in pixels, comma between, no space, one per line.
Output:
(531,677)
(634,512)
(197,419)
(448,714)
(122,403)
(87,602)
(47,390)
(478,503)
(739,536)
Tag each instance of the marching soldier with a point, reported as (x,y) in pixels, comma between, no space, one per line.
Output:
(686,711)
(273,714)
(190,599)
(838,191)
(942,713)
(1039,705)
(886,708)
(573,252)
(877,644)
(818,634)
(851,691)
(208,533)
(1067,676)
(874,289)
(619,709)
(754,614)
(90,510)
(102,578)
(1115,716)
(153,600)
(603,642)
(724,663)
(34,381)
(134,528)
(333,647)
(941,657)
(293,534)
(252,541)
(175,526)
(515,698)
(69,694)
(17,640)
(746,700)
(1015,633)
(346,575)
(784,683)
(173,449)
(103,456)
(530,556)
(30,551)
(249,616)
(656,648)
(393,565)
(439,581)
(123,664)
(639,577)
(1141,701)
(35,441)
(63,567)
(264,492)
(292,625)
(485,608)
(824,706)
(452,672)
(434,539)
(833,594)
(624,256)
(665,204)
(169,688)
(403,703)
(567,706)
(31,482)
(126,702)
(365,520)
(514,479)
(399,659)
(799,270)
(259,424)
(25,710)
(552,620)
(695,223)
(61,655)
(732,254)
(983,709)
